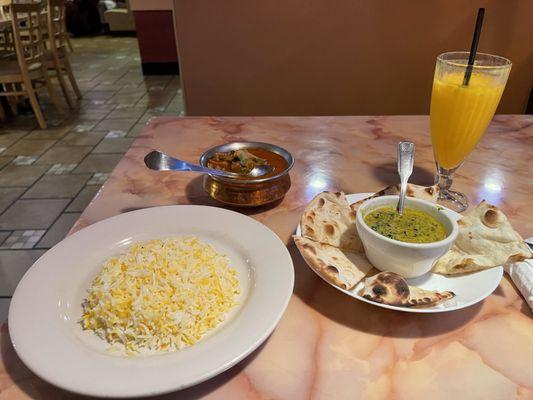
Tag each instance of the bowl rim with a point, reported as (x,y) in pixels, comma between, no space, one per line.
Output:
(247,145)
(431,245)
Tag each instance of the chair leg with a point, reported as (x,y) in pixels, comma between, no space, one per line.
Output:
(20,97)
(2,113)
(69,44)
(63,85)
(72,79)
(35,104)
(12,100)
(52,93)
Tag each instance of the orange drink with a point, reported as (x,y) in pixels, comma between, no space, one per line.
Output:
(460,114)
(461,110)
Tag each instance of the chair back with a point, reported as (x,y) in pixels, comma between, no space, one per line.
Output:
(56,23)
(7,44)
(26,26)
(5,13)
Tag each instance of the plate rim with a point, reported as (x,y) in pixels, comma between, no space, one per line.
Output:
(55,378)
(430,310)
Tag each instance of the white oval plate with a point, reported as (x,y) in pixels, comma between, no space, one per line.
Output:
(46,306)
(469,289)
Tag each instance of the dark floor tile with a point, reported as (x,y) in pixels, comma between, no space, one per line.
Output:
(57,186)
(124,124)
(107,86)
(91,115)
(99,94)
(28,147)
(90,138)
(5,160)
(84,125)
(50,133)
(7,138)
(64,155)
(98,163)
(4,236)
(131,113)
(32,214)
(82,200)
(23,122)
(21,175)
(114,145)
(126,98)
(132,89)
(4,308)
(8,196)
(59,230)
(13,266)
(136,130)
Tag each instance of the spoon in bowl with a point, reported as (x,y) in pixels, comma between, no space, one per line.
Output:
(406,156)
(160,161)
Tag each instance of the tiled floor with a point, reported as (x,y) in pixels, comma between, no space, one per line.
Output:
(47,177)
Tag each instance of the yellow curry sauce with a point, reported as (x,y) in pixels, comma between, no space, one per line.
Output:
(413,226)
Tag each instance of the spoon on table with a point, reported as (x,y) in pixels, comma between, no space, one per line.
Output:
(406,156)
(163,162)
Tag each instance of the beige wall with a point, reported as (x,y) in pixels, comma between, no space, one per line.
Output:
(336,57)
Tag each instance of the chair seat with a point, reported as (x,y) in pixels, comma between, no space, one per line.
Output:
(10,66)
(8,55)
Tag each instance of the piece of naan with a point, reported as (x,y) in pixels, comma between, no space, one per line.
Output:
(486,239)
(342,268)
(392,289)
(429,193)
(329,219)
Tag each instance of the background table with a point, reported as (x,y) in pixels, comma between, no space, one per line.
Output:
(327,345)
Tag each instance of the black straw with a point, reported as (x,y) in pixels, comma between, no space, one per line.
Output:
(473,47)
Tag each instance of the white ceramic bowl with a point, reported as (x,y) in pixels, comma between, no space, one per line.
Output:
(409,260)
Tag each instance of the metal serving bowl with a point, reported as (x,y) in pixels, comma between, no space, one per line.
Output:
(248,192)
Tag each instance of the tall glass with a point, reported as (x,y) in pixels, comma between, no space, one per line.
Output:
(460,113)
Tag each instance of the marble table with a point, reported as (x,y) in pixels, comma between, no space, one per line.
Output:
(327,345)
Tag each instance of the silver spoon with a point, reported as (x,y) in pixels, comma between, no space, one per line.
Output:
(406,156)
(163,162)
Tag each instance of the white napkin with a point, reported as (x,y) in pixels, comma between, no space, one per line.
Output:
(522,275)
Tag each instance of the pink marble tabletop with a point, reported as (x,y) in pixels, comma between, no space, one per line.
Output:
(327,345)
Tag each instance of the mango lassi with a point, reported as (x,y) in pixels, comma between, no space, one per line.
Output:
(460,114)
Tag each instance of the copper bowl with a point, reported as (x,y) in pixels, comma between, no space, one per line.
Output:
(248,192)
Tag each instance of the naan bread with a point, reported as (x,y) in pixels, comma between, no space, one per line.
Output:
(390,288)
(386,288)
(329,219)
(423,297)
(429,193)
(486,239)
(341,268)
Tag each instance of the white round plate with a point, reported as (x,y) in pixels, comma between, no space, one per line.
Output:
(469,289)
(46,306)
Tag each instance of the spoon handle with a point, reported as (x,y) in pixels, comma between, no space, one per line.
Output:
(159,161)
(406,156)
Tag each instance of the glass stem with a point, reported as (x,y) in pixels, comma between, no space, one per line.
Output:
(444,177)
(449,198)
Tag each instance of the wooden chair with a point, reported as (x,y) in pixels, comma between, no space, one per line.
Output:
(7,43)
(45,32)
(56,57)
(7,51)
(25,73)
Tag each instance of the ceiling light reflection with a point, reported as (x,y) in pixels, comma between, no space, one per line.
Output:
(493,185)
(318,182)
